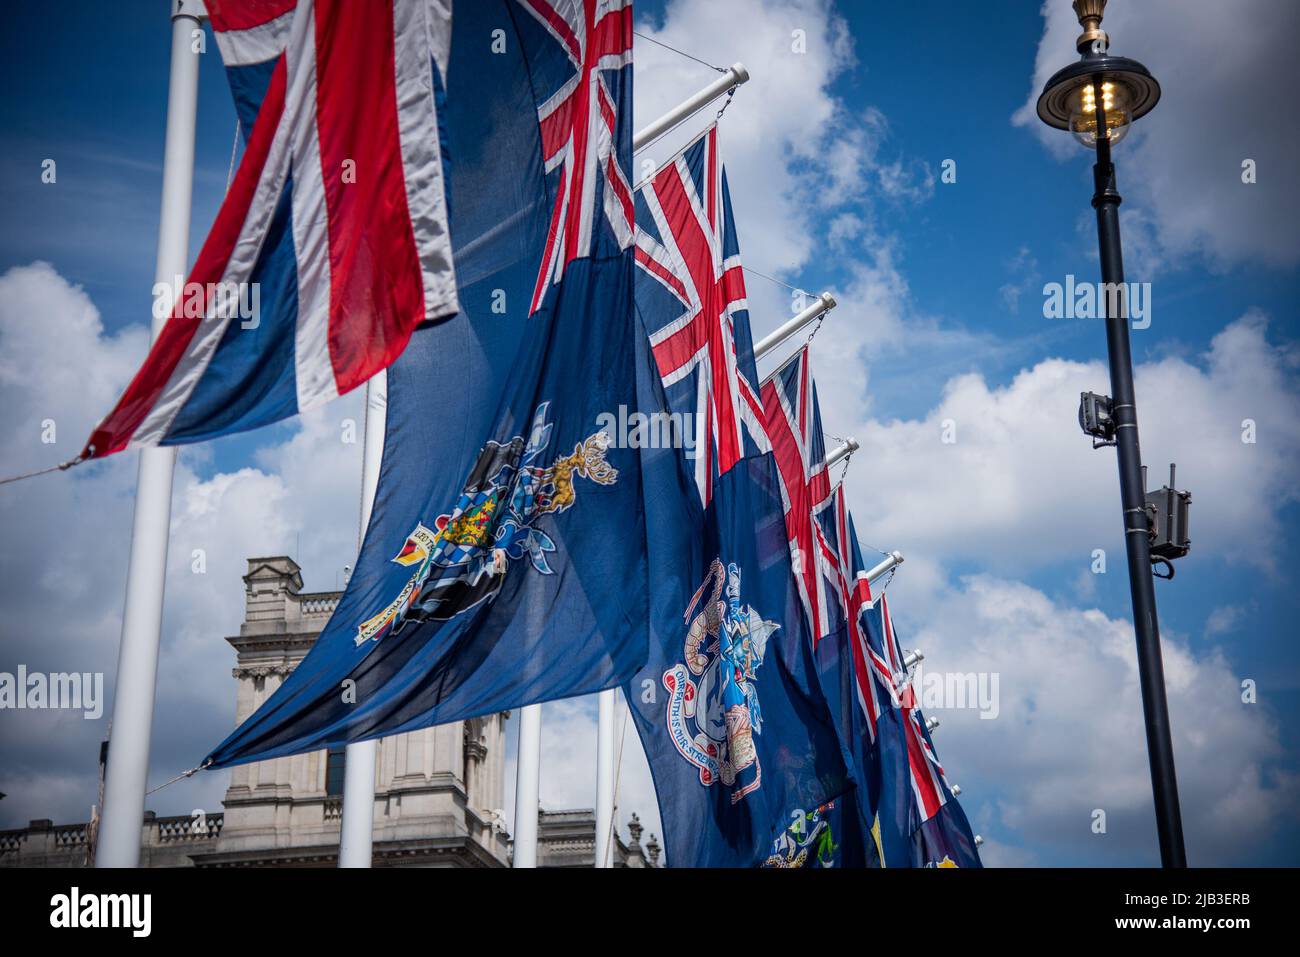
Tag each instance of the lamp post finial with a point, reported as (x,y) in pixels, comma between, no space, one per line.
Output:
(1090,13)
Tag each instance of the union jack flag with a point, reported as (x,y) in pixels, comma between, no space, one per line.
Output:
(336,220)
(849,581)
(691,294)
(929,787)
(904,778)
(578,123)
(794,428)
(919,821)
(926,816)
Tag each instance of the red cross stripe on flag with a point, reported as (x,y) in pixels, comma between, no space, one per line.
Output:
(926,772)
(860,646)
(855,596)
(794,429)
(345,277)
(687,248)
(579,124)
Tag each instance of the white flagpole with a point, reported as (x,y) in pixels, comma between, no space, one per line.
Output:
(844,451)
(727,82)
(605,778)
(137,659)
(356,835)
(892,559)
(822,305)
(527,782)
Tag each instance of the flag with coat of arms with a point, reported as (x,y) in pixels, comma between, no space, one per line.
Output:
(812,505)
(920,822)
(739,739)
(505,561)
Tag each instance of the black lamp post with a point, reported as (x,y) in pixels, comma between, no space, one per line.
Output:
(1097,99)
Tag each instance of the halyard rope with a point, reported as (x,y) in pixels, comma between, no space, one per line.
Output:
(660,43)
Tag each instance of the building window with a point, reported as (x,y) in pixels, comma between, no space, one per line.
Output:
(334,759)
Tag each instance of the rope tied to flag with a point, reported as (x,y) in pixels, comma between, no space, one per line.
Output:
(184,774)
(61,467)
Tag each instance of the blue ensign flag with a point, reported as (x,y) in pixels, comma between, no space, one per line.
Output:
(505,562)
(739,738)
(816,541)
(842,667)
(740,742)
(920,822)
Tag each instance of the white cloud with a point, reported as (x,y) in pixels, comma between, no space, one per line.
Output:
(63,590)
(1223,620)
(1023,267)
(1068,736)
(56,364)
(795,153)
(1225,75)
(1022,487)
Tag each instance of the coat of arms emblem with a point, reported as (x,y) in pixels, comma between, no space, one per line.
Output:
(713,712)
(808,836)
(462,560)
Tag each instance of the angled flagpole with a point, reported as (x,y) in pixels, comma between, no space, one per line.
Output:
(127,770)
(822,305)
(728,81)
(356,835)
(891,560)
(843,452)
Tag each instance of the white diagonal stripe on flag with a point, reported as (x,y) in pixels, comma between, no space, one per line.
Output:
(239,268)
(254,45)
(421,150)
(313,368)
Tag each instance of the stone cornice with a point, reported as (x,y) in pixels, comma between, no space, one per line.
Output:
(261,671)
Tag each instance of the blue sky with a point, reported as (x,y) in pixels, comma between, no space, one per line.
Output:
(835,157)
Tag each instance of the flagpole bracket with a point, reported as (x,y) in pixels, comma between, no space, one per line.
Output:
(815,311)
(732,78)
(843,452)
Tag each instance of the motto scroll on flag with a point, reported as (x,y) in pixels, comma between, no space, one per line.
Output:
(332,244)
(505,561)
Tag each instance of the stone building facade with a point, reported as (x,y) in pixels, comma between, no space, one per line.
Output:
(439,792)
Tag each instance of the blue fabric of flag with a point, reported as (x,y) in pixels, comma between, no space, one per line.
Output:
(505,561)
